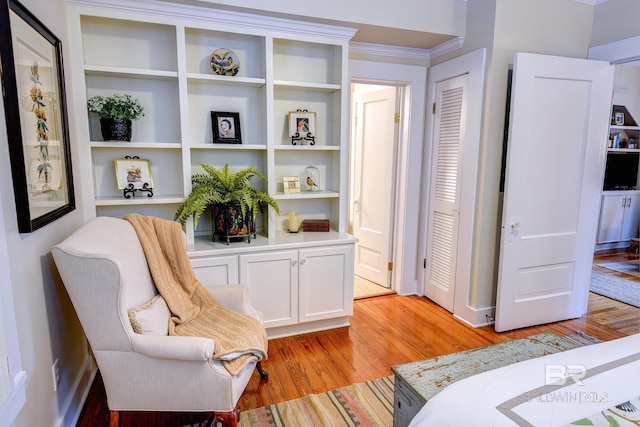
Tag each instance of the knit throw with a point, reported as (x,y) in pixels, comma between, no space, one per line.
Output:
(239,338)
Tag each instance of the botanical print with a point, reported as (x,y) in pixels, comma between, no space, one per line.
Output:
(35,113)
(43,169)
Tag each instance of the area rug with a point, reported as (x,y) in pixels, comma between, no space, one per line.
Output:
(363,404)
(615,288)
(628,267)
(368,404)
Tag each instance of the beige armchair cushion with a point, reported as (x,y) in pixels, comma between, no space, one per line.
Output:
(151,318)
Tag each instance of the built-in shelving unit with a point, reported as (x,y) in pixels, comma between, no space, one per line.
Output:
(620,205)
(159,53)
(164,62)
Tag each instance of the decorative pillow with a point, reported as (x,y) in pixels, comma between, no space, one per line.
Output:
(151,318)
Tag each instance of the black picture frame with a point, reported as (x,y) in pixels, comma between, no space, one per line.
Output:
(226,127)
(36,115)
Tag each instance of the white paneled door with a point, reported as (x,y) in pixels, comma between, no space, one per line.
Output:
(558,127)
(374,183)
(444,199)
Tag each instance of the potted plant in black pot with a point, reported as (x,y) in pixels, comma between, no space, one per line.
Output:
(231,197)
(116,113)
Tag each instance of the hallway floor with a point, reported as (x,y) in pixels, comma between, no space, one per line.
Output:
(364,288)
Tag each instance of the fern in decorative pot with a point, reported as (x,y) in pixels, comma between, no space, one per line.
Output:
(116,113)
(232,199)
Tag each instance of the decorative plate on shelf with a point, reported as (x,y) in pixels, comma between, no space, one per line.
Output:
(224,62)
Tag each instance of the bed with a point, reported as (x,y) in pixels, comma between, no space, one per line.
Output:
(592,385)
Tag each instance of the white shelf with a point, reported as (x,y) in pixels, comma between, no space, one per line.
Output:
(323,87)
(138,199)
(226,80)
(324,194)
(623,150)
(109,145)
(307,147)
(129,73)
(229,147)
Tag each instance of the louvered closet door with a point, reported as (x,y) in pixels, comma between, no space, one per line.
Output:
(444,195)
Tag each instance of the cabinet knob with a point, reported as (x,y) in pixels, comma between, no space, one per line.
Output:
(302,261)
(293,262)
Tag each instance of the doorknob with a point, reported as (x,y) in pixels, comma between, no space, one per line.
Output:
(356,205)
(514,225)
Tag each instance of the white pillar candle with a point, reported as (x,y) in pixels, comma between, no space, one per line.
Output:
(293,222)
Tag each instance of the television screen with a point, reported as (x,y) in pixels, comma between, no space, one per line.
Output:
(621,171)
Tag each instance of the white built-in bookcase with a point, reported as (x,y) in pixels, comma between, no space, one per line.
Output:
(159,53)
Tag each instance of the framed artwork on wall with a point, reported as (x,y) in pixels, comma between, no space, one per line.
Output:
(36,116)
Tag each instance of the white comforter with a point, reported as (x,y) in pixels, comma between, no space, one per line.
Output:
(604,375)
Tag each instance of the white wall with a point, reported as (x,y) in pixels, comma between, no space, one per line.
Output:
(46,322)
(554,27)
(615,20)
(436,16)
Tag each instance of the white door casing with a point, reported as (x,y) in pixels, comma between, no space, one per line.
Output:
(555,163)
(444,194)
(374,182)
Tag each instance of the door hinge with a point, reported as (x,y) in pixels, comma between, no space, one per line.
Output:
(396,118)
(8,367)
(424,263)
(433,108)
(390,266)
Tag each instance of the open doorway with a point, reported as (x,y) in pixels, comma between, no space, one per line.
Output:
(375,109)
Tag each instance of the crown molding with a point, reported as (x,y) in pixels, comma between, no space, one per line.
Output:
(447,47)
(225,18)
(389,51)
(406,52)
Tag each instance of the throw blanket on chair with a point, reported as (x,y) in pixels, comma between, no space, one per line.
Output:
(239,339)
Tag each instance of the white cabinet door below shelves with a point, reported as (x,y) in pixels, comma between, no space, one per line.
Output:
(618,218)
(326,282)
(216,271)
(272,278)
(630,219)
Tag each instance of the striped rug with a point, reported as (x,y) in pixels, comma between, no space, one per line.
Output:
(363,404)
(368,404)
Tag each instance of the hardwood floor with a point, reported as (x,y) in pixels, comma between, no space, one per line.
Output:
(385,331)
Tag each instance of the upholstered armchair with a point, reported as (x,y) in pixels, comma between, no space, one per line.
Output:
(106,275)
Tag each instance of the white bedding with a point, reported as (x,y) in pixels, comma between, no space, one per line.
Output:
(606,374)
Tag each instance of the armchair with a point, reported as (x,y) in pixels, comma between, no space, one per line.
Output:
(106,275)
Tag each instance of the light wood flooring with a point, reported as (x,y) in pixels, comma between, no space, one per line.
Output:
(363,288)
(385,331)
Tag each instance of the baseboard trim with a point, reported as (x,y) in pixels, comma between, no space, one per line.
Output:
(304,328)
(80,392)
(476,317)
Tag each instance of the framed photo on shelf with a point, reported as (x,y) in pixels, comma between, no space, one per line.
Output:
(291,184)
(226,127)
(36,115)
(302,123)
(618,119)
(133,172)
